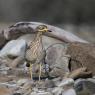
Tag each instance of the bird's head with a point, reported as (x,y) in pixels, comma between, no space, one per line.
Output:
(42,28)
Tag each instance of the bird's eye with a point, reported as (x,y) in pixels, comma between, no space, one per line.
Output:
(41,27)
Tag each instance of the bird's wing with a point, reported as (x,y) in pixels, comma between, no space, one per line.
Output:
(41,57)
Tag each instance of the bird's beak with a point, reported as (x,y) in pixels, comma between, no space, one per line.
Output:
(49,30)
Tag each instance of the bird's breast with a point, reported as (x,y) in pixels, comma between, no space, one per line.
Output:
(34,51)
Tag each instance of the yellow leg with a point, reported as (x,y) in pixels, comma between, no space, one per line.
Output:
(30,68)
(40,67)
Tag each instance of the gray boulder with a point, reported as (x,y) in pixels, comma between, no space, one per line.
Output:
(65,87)
(57,60)
(14,48)
(85,86)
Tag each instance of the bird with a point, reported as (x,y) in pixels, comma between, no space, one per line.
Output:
(35,53)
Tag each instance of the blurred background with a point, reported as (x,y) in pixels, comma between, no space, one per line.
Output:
(77,16)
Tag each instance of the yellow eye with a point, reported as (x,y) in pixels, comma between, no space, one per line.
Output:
(42,27)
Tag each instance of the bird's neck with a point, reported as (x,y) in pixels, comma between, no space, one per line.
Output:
(38,36)
(37,40)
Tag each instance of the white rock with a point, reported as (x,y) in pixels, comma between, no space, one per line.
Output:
(69,92)
(34,93)
(66,82)
(41,93)
(14,48)
(57,91)
(21,81)
(44,93)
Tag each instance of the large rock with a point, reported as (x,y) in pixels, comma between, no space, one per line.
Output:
(14,48)
(65,87)
(82,55)
(85,86)
(57,60)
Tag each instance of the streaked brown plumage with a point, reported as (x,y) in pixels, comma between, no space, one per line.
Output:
(35,52)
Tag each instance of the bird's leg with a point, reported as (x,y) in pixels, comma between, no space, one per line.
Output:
(30,68)
(40,67)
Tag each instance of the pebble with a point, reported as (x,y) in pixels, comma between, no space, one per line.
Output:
(66,82)
(21,82)
(17,94)
(49,83)
(44,93)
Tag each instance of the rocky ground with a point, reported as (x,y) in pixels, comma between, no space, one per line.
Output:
(71,68)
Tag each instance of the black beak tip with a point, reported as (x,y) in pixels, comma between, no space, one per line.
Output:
(49,30)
